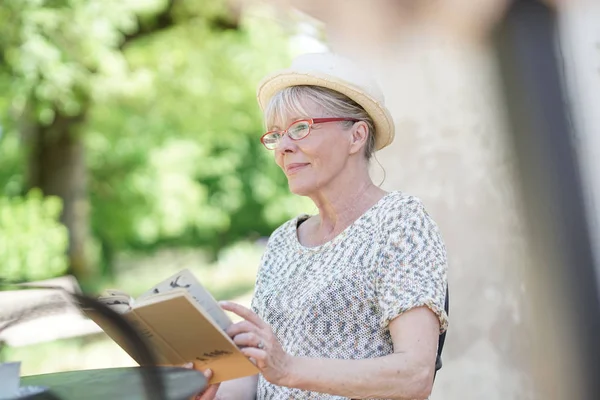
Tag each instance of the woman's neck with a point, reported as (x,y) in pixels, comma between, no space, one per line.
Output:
(338,209)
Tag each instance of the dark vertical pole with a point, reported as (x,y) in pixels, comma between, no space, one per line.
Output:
(552,189)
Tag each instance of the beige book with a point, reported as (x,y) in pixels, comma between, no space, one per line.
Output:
(181,322)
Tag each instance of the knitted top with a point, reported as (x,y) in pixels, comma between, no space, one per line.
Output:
(337,299)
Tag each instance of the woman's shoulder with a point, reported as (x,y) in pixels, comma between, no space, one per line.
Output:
(400,209)
(396,197)
(399,203)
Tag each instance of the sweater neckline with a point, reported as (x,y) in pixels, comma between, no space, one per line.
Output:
(342,235)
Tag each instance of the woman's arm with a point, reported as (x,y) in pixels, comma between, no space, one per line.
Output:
(406,374)
(238,389)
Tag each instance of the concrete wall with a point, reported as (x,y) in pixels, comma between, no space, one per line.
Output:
(451,152)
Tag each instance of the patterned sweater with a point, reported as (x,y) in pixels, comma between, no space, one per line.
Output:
(337,299)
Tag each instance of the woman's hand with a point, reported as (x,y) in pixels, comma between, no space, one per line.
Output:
(210,392)
(258,342)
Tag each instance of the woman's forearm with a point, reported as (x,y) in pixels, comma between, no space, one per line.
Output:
(238,389)
(393,376)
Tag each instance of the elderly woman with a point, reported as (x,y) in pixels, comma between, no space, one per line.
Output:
(349,303)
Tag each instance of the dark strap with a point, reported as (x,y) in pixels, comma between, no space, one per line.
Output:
(442,339)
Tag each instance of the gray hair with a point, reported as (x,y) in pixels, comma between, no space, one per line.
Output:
(335,104)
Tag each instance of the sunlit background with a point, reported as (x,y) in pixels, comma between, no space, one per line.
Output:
(129,150)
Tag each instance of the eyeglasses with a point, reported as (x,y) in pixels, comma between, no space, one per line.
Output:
(297,130)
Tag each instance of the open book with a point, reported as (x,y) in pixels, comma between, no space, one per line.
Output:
(183,323)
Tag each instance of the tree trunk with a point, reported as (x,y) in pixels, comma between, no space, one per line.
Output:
(56,165)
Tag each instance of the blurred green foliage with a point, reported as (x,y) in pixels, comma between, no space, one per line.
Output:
(184,149)
(171,125)
(34,243)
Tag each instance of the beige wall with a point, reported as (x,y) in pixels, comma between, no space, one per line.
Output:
(451,152)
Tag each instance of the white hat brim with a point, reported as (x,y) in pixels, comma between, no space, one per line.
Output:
(384,124)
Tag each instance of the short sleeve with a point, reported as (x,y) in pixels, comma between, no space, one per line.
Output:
(412,268)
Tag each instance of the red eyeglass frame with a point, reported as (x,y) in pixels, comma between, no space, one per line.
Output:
(311,122)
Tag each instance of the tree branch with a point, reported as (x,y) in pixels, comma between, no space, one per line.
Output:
(161,21)
(165,20)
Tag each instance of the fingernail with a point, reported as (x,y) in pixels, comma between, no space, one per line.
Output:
(208,373)
(188,365)
(223,303)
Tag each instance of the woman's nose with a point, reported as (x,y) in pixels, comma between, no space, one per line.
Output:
(286,144)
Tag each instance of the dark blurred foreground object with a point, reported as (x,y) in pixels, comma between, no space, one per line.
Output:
(155,383)
(117,384)
(564,292)
(45,325)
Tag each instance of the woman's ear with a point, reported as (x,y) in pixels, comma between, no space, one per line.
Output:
(360,135)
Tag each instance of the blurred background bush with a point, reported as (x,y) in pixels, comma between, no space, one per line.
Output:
(138,120)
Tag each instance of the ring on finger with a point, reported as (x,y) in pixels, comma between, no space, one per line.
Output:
(260,345)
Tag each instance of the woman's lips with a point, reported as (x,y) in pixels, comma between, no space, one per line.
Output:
(294,167)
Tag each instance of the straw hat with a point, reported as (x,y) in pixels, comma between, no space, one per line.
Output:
(339,74)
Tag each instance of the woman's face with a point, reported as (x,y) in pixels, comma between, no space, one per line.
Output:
(313,162)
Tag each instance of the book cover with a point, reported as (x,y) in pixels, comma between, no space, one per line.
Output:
(181,322)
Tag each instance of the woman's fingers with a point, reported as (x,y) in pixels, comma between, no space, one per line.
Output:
(211,391)
(209,394)
(256,356)
(241,327)
(246,339)
(243,312)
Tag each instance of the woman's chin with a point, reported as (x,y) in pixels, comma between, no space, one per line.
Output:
(300,188)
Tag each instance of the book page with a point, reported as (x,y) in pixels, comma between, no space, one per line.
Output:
(116,300)
(186,280)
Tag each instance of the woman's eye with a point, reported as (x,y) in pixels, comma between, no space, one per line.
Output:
(298,129)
